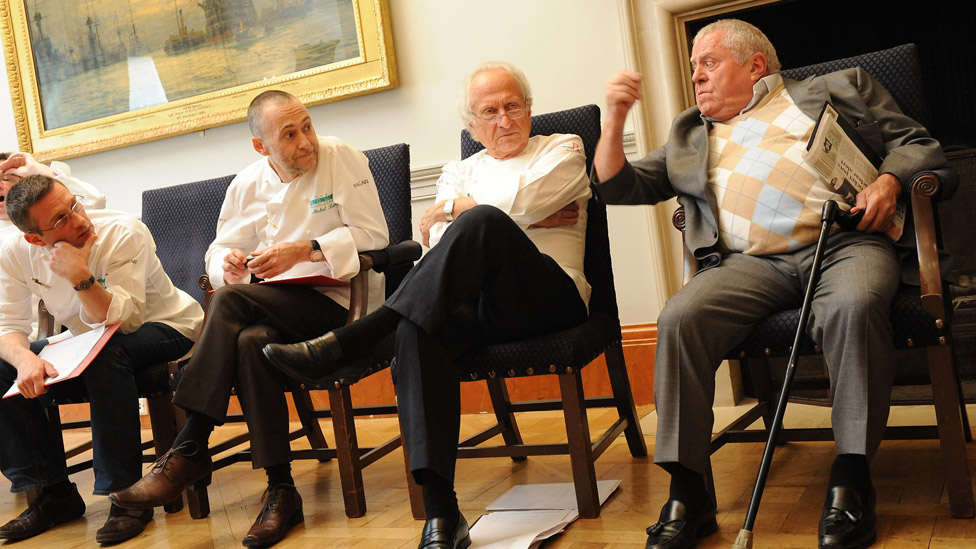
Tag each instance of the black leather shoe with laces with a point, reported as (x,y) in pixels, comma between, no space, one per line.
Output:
(847,522)
(45,511)
(676,528)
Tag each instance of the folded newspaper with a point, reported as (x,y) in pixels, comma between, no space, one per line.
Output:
(846,162)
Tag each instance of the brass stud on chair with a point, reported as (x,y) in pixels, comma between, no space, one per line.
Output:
(474,376)
(552,368)
(492,374)
(511,373)
(768,352)
(338,384)
(303,387)
(939,323)
(817,349)
(943,340)
(742,354)
(910,342)
(569,369)
(529,371)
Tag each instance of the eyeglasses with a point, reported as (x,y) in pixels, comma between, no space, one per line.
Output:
(75,207)
(513,111)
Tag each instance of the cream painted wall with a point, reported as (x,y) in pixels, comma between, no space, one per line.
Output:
(567,48)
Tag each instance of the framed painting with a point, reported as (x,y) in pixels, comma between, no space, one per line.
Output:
(93,75)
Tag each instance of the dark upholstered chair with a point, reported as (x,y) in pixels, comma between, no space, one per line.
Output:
(391,171)
(920,316)
(562,353)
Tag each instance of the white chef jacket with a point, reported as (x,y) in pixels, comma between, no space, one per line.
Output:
(546,176)
(123,260)
(335,204)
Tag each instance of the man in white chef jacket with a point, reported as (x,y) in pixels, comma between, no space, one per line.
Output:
(307,207)
(90,269)
(507,235)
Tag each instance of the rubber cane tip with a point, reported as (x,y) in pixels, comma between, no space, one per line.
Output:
(743,540)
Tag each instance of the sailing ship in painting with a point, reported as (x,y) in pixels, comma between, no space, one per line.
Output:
(130,54)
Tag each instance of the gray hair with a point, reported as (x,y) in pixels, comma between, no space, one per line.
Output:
(743,40)
(463,105)
(27,192)
(255,111)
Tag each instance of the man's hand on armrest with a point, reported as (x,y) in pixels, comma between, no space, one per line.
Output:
(435,214)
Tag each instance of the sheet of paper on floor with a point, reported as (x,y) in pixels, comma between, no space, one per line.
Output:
(519,529)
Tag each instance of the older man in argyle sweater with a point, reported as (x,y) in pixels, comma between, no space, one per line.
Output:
(752,211)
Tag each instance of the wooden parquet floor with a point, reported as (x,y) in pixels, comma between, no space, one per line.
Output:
(913,509)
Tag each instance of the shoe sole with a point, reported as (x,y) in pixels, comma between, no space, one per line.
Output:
(864,545)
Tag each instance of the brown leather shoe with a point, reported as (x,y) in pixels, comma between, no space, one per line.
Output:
(282,510)
(171,474)
(44,512)
(123,524)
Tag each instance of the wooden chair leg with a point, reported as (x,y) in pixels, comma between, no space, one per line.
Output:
(347,450)
(580,445)
(946,395)
(498,392)
(966,429)
(163,423)
(414,491)
(313,431)
(624,398)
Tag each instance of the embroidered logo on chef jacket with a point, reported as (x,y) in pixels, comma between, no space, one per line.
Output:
(573,147)
(321,203)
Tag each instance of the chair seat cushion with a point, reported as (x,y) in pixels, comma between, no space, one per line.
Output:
(550,353)
(913,327)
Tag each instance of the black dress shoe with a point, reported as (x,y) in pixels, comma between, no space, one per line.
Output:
(677,529)
(44,512)
(847,523)
(123,524)
(315,361)
(442,533)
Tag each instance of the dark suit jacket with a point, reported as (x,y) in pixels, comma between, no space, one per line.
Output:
(680,167)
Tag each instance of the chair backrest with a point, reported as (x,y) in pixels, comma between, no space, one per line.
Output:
(183,218)
(898,69)
(183,222)
(391,171)
(585,122)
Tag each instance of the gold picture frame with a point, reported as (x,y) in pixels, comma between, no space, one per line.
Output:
(85,79)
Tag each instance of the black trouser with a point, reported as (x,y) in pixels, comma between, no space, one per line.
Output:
(485,281)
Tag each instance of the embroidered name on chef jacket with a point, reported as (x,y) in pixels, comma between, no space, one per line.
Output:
(321,204)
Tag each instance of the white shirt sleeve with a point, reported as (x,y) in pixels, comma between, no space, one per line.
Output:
(449,185)
(553,180)
(234,231)
(128,257)
(363,225)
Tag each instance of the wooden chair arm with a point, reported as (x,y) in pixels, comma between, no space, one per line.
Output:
(924,187)
(689,261)
(401,253)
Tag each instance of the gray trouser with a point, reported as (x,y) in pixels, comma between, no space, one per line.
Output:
(717,309)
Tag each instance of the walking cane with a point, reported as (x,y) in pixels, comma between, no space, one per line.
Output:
(846,220)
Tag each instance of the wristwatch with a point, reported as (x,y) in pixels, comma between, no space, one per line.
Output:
(85,284)
(449,209)
(316,254)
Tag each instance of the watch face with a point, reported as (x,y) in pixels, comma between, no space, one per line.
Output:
(316,256)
